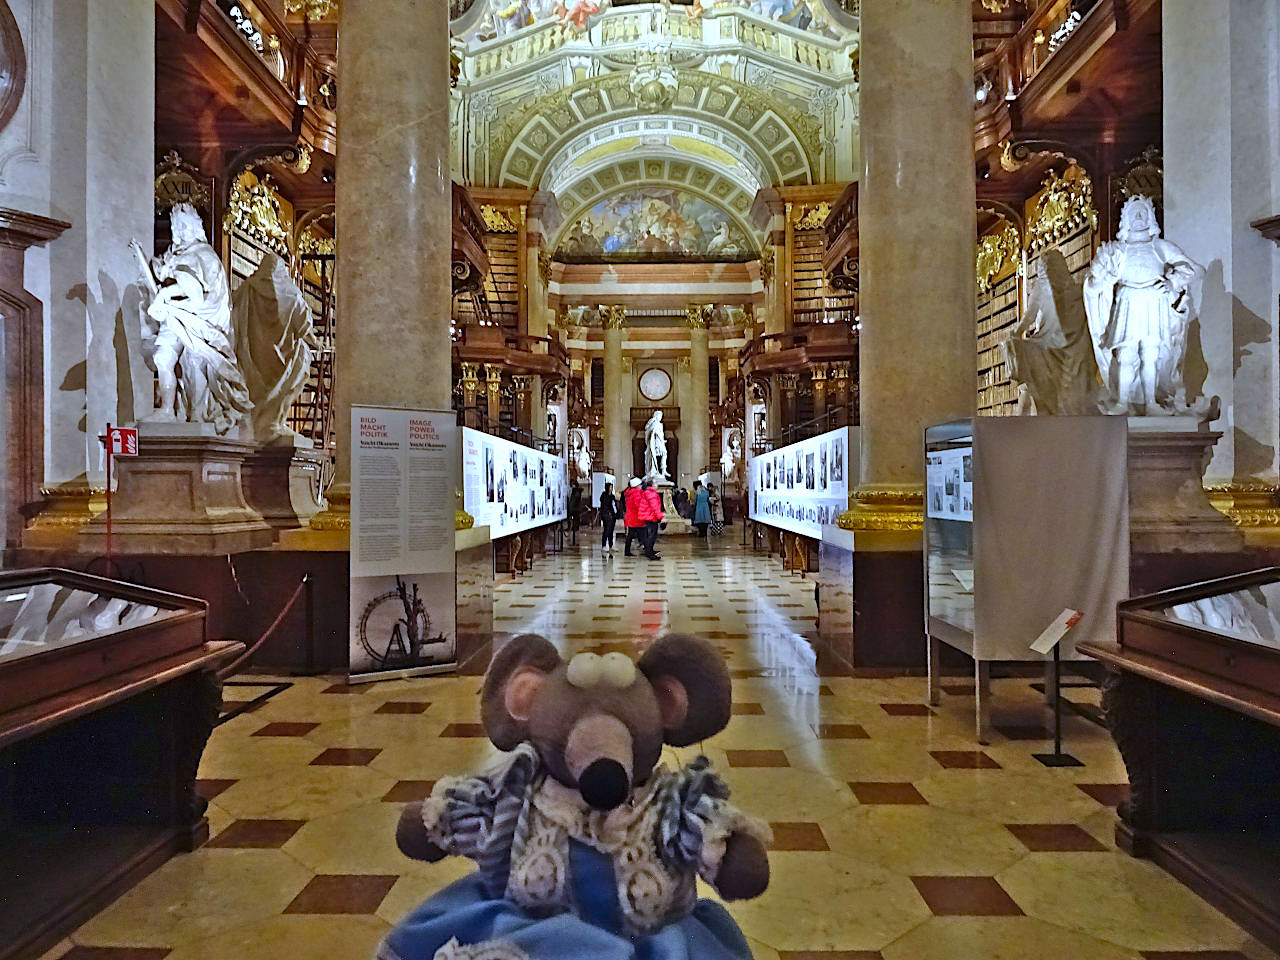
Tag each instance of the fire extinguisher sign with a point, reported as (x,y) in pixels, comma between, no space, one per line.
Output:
(122,441)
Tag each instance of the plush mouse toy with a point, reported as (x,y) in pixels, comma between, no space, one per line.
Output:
(586,847)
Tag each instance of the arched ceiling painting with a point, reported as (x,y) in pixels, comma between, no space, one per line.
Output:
(592,100)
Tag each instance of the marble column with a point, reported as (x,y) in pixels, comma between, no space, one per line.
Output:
(917,227)
(394,205)
(470,384)
(1222,172)
(522,386)
(493,394)
(617,417)
(818,377)
(82,150)
(697,403)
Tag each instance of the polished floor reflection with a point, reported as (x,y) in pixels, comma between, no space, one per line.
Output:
(896,837)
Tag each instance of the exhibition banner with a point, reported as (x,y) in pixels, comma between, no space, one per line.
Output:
(402,531)
(804,486)
(509,487)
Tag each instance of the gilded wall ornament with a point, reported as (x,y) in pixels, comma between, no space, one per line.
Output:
(179,182)
(314,244)
(255,210)
(811,218)
(1143,175)
(544,266)
(1064,206)
(766,266)
(696,315)
(497,220)
(995,251)
(311,9)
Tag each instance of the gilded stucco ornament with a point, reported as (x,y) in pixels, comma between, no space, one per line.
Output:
(461,519)
(1065,205)
(995,251)
(614,317)
(311,9)
(1249,503)
(179,182)
(497,220)
(255,210)
(811,218)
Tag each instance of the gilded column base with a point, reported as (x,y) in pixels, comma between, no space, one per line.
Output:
(1249,503)
(65,510)
(328,530)
(337,515)
(884,508)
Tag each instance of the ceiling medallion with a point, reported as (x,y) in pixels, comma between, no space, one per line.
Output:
(311,9)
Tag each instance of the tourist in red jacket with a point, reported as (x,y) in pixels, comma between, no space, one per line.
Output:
(631,516)
(650,513)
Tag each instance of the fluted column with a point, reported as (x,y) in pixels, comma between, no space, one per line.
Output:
(819,380)
(470,384)
(617,426)
(394,207)
(697,403)
(523,388)
(917,227)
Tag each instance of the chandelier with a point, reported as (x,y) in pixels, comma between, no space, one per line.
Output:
(311,9)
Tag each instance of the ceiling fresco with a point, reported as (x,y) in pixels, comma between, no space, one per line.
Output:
(717,100)
(654,223)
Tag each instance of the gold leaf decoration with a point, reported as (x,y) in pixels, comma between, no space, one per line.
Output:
(1065,205)
(811,218)
(496,220)
(995,250)
(255,210)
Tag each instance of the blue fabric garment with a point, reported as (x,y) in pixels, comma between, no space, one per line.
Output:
(464,910)
(701,506)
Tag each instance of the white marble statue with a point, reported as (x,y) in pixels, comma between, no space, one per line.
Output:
(731,458)
(1049,353)
(655,448)
(187,333)
(274,344)
(580,454)
(1137,298)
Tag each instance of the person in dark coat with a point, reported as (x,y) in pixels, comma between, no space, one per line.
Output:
(701,508)
(608,513)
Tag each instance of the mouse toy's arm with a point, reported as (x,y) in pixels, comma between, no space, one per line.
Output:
(744,868)
(465,814)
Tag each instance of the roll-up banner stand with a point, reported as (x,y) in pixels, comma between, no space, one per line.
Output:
(403,595)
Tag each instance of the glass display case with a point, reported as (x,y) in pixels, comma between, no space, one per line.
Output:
(108,693)
(1228,628)
(60,629)
(1026,520)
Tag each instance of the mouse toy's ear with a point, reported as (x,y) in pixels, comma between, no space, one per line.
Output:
(692,685)
(514,678)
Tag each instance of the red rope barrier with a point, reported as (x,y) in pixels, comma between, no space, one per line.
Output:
(231,669)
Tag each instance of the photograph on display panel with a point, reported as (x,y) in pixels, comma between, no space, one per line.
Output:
(801,487)
(530,489)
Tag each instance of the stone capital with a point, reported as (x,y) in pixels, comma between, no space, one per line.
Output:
(614,317)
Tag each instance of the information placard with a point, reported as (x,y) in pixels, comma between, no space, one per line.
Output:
(510,487)
(804,486)
(949,483)
(402,557)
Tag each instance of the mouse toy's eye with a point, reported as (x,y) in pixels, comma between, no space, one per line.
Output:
(585,670)
(617,670)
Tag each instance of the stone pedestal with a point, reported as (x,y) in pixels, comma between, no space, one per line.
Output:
(283,484)
(180,495)
(676,524)
(1169,510)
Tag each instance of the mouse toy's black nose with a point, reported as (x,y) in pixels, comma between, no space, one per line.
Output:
(604,784)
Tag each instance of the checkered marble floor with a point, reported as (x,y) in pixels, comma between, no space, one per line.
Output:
(896,837)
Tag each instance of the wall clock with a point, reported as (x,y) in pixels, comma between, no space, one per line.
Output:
(655,384)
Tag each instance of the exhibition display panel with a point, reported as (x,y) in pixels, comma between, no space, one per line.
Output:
(108,694)
(1006,499)
(804,486)
(1193,702)
(509,487)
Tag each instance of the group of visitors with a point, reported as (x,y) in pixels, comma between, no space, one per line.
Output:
(640,508)
(641,511)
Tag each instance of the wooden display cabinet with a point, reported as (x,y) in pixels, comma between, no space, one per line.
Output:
(108,694)
(1192,697)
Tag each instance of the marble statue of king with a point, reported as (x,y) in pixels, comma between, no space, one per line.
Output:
(655,448)
(189,334)
(1137,297)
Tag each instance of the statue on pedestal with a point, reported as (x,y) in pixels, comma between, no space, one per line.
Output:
(1050,354)
(1138,302)
(187,333)
(655,448)
(274,342)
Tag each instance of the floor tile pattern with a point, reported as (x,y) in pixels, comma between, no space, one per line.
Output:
(895,836)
